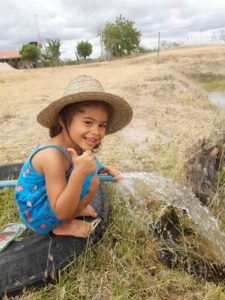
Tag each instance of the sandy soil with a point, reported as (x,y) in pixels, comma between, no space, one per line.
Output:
(171,112)
(4,67)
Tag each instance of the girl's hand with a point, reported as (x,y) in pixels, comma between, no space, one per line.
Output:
(114,172)
(85,163)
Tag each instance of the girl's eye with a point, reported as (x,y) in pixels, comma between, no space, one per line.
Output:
(103,126)
(87,122)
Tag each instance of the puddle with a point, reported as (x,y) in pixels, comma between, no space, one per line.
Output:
(217,99)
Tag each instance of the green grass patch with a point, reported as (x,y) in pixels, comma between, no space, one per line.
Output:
(9,212)
(214,85)
(122,265)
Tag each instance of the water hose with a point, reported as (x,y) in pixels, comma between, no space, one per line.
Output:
(12,183)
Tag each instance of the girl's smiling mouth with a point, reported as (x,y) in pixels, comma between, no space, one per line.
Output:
(90,141)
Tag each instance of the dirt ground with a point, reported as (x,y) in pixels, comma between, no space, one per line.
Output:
(171,111)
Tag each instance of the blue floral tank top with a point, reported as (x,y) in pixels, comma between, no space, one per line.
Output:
(31,197)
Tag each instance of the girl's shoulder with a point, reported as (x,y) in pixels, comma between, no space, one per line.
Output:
(51,156)
(54,150)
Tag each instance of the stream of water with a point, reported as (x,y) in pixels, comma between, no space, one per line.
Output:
(136,188)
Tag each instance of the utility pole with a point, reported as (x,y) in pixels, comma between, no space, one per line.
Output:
(157,59)
(38,32)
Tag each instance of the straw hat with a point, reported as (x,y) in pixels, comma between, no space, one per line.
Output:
(83,88)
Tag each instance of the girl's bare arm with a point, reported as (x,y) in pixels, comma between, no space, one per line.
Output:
(111,171)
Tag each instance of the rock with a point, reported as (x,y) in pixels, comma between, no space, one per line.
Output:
(204,164)
(181,247)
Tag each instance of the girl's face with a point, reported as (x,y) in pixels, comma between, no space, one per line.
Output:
(88,128)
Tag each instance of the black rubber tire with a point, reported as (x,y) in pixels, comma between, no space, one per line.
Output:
(37,259)
(10,171)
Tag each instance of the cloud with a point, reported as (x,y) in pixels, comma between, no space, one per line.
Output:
(72,21)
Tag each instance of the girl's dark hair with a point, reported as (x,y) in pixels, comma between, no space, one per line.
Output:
(67,113)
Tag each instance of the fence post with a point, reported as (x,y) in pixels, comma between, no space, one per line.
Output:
(157,59)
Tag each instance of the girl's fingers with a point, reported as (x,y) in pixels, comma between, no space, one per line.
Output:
(94,179)
(118,177)
(88,153)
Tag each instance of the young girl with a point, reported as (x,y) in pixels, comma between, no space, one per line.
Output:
(60,178)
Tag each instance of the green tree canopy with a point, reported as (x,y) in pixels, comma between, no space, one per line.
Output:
(51,53)
(84,49)
(30,52)
(121,37)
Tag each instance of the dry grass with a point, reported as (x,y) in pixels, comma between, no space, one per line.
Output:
(171,112)
(168,107)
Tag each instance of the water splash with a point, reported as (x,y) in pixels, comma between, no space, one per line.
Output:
(136,188)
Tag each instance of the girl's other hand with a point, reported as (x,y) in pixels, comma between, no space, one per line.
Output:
(84,163)
(115,173)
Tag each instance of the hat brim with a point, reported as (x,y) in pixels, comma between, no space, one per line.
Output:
(122,111)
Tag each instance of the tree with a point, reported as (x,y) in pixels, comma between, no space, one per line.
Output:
(143,49)
(51,53)
(121,37)
(169,44)
(30,52)
(222,35)
(218,36)
(84,49)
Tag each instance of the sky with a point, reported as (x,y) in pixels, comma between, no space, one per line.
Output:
(71,21)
